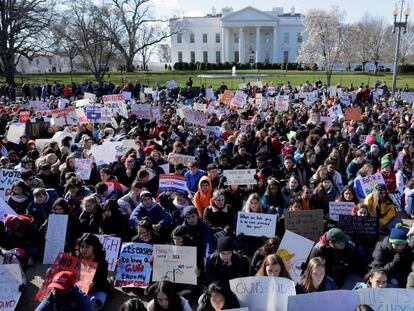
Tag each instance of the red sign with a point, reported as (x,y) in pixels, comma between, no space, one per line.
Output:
(24,116)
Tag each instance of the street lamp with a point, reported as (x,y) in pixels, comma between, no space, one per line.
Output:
(400,25)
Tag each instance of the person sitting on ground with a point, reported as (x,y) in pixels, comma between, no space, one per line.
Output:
(315,278)
(375,278)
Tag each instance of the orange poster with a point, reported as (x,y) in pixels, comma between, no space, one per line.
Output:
(227,97)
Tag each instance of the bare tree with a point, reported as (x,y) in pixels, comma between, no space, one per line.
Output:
(148,34)
(23,24)
(124,21)
(359,38)
(327,39)
(164,53)
(406,45)
(380,42)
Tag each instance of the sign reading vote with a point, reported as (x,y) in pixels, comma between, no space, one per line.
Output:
(256,224)
(7,178)
(240,177)
(362,230)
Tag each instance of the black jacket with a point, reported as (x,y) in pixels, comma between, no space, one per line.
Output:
(216,271)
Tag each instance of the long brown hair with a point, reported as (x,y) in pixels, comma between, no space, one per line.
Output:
(273,259)
(307,277)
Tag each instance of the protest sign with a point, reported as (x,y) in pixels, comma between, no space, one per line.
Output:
(165,167)
(7,178)
(142,111)
(210,93)
(260,293)
(256,224)
(239,99)
(294,250)
(242,86)
(156,113)
(282,103)
(171,84)
(15,131)
(387,299)
(83,270)
(335,112)
(244,124)
(80,115)
(332,91)
(396,199)
(212,129)
(174,263)
(353,114)
(240,177)
(338,300)
(271,90)
(104,154)
(200,107)
(346,99)
(24,116)
(362,230)
(38,105)
(5,209)
(90,96)
(173,182)
(111,99)
(127,95)
(407,96)
(368,183)
(226,97)
(63,103)
(147,90)
(175,158)
(258,84)
(195,117)
(111,245)
(10,281)
(327,120)
(135,268)
(81,103)
(308,224)
(93,113)
(83,167)
(55,237)
(309,99)
(340,208)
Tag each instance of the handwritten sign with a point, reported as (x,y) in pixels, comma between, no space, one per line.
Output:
(340,208)
(175,158)
(260,293)
(240,177)
(10,280)
(338,300)
(114,98)
(226,97)
(335,112)
(308,224)
(90,96)
(173,182)
(256,224)
(55,237)
(5,209)
(142,111)
(387,298)
(83,167)
(104,154)
(239,98)
(282,103)
(362,230)
(16,130)
(135,267)
(7,178)
(368,183)
(177,264)
(24,116)
(80,115)
(111,245)
(83,270)
(81,103)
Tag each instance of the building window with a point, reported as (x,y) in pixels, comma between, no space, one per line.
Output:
(251,38)
(192,56)
(204,38)
(217,38)
(179,38)
(300,38)
(37,61)
(285,56)
(236,56)
(267,38)
(205,56)
(180,56)
(50,61)
(218,57)
(192,38)
(286,37)
(236,38)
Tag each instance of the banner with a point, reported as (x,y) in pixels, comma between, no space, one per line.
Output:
(177,264)
(111,245)
(338,300)
(15,131)
(260,293)
(340,208)
(308,224)
(83,167)
(240,177)
(387,299)
(282,103)
(175,158)
(368,183)
(294,250)
(173,182)
(84,271)
(7,178)
(55,237)
(5,209)
(10,281)
(113,99)
(256,224)
(135,268)
(362,230)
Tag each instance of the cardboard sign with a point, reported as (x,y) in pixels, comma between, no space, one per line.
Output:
(353,114)
(172,182)
(83,167)
(340,208)
(226,97)
(239,99)
(108,111)
(5,209)
(84,271)
(175,158)
(338,300)
(127,95)
(142,111)
(110,99)
(240,177)
(111,245)
(308,224)
(80,115)
(16,130)
(294,250)
(282,103)
(256,224)
(195,117)
(10,280)
(260,293)
(55,237)
(81,103)
(368,183)
(90,96)
(104,154)
(177,264)
(387,298)
(135,267)
(210,93)
(362,230)
(7,178)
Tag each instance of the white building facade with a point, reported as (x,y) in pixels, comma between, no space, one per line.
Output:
(245,36)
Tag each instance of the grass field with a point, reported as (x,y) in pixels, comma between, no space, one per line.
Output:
(150,78)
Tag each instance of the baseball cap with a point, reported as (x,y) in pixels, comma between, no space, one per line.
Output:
(63,280)
(337,235)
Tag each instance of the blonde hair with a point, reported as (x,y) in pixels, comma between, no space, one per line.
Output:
(88,199)
(307,277)
(253,196)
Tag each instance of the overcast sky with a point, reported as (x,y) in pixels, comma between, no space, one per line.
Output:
(354,9)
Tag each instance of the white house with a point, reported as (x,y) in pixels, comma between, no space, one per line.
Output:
(246,36)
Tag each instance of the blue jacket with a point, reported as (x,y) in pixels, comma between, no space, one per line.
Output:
(78,301)
(327,284)
(156,213)
(202,236)
(192,180)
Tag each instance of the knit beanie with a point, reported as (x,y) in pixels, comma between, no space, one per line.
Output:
(398,235)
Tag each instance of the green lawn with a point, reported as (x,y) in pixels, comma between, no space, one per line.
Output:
(276,76)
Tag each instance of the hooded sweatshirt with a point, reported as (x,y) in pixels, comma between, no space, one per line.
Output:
(202,199)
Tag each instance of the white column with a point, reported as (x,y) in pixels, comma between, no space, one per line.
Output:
(241,46)
(223,45)
(274,53)
(257,44)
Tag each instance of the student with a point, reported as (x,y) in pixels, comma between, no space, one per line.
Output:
(203,196)
(167,299)
(273,265)
(375,278)
(218,297)
(133,304)
(315,278)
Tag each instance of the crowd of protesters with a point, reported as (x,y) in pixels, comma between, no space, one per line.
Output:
(301,163)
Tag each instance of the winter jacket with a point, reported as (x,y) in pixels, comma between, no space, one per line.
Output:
(91,222)
(78,301)
(219,218)
(327,284)
(193,180)
(386,209)
(201,235)
(217,271)
(41,212)
(202,199)
(352,169)
(156,213)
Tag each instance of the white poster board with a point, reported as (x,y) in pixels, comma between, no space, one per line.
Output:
(177,264)
(5,209)
(90,96)
(256,224)
(340,208)
(15,131)
(10,280)
(239,98)
(260,293)
(83,167)
(294,250)
(7,178)
(338,300)
(114,98)
(368,183)
(240,177)
(387,299)
(104,154)
(111,245)
(175,158)
(55,237)
(335,112)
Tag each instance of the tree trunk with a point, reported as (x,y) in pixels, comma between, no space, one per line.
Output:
(129,64)
(328,74)
(363,66)
(9,67)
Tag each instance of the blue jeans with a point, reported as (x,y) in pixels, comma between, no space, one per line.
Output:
(98,300)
